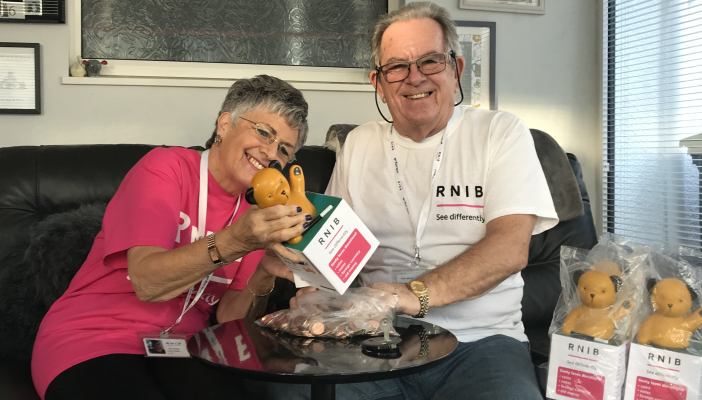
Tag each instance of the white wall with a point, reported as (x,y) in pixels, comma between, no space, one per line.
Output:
(547,73)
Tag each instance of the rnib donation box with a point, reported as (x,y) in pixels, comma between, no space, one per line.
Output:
(662,374)
(335,248)
(585,370)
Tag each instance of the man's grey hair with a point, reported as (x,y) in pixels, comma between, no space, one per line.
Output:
(422,9)
(274,96)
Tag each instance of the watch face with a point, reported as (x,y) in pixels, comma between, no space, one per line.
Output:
(417,286)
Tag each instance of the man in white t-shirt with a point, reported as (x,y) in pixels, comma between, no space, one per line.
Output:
(453,194)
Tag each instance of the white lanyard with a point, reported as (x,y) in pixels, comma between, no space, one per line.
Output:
(201,222)
(391,155)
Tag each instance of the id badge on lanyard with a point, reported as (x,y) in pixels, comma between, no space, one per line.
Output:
(407,272)
(165,343)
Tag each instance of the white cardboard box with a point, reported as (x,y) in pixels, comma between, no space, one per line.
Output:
(585,370)
(658,374)
(335,249)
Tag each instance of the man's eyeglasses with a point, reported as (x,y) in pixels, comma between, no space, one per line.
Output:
(285,151)
(429,64)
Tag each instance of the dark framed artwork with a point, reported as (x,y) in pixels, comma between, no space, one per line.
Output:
(20,78)
(51,11)
(477,41)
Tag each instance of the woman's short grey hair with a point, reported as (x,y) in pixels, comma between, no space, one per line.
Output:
(422,9)
(273,95)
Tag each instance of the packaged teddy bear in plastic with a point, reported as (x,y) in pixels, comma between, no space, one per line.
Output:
(591,326)
(595,316)
(665,360)
(325,314)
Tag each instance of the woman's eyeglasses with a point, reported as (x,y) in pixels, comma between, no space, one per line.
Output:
(429,64)
(285,151)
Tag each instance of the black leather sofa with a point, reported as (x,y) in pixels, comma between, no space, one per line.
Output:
(40,182)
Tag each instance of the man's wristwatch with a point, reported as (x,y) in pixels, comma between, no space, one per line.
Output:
(212,250)
(421,291)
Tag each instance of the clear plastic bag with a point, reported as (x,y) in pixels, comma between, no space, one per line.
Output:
(666,353)
(670,315)
(325,314)
(602,287)
(592,324)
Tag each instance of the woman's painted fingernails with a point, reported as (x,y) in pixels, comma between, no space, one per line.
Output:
(308,217)
(299,209)
(305,225)
(301,263)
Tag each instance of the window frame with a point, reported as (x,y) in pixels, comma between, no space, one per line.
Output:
(197,74)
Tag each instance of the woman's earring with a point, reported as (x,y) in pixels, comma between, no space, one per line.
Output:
(218,140)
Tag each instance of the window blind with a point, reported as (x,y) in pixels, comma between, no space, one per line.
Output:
(652,133)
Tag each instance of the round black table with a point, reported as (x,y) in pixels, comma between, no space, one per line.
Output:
(257,353)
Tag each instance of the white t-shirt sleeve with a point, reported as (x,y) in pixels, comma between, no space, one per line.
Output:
(338,183)
(515,180)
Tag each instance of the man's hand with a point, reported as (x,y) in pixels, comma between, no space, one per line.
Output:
(303,291)
(407,302)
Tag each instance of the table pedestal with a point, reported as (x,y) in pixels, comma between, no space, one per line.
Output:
(323,391)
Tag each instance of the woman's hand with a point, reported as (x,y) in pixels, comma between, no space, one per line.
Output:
(273,265)
(262,229)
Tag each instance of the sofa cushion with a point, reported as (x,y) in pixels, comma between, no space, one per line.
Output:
(38,270)
(58,247)
(559,176)
(38,181)
(20,310)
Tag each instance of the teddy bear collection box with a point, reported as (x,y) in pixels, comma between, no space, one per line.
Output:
(335,248)
(590,330)
(585,370)
(661,374)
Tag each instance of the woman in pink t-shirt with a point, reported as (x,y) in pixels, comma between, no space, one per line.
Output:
(151,252)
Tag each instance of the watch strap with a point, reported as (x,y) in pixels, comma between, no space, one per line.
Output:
(423,301)
(212,250)
(423,337)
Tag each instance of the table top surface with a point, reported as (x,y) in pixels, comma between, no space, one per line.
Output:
(264,354)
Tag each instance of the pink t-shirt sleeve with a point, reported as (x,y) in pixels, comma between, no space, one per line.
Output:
(247,267)
(145,211)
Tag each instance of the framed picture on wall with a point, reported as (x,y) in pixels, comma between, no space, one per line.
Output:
(477,40)
(52,11)
(20,89)
(518,6)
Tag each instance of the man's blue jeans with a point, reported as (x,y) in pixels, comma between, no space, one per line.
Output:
(494,368)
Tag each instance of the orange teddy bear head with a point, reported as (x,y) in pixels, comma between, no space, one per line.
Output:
(671,297)
(269,188)
(596,289)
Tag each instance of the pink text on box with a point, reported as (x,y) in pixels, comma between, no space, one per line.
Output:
(647,388)
(352,252)
(579,385)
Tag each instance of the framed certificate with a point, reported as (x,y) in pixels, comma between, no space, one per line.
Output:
(477,41)
(52,11)
(20,83)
